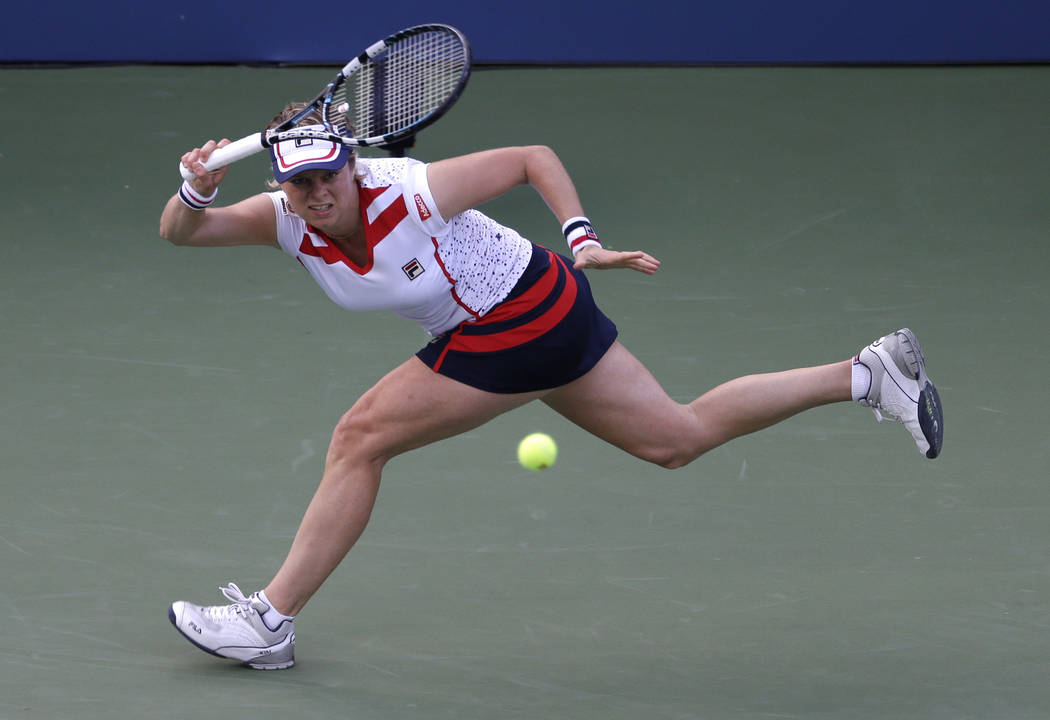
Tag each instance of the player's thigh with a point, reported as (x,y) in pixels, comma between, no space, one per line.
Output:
(621,402)
(412,406)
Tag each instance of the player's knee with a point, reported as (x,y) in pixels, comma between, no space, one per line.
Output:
(676,459)
(672,457)
(356,438)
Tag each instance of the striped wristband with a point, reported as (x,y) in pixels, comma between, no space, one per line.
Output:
(193,199)
(579,234)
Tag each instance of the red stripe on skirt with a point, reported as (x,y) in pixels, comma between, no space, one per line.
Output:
(531,297)
(524,302)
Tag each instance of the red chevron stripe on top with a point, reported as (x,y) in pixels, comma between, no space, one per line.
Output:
(375,232)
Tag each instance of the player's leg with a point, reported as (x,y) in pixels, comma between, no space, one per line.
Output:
(621,402)
(410,407)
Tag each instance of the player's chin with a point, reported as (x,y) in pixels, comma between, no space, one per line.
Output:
(323,221)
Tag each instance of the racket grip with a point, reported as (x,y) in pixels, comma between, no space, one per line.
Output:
(221,157)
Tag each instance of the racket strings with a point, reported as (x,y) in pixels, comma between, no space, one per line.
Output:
(403,84)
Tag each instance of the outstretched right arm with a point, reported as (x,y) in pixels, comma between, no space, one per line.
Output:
(248,222)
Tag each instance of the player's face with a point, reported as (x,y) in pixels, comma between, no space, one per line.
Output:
(327,199)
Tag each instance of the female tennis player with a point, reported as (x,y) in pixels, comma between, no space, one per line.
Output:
(511,322)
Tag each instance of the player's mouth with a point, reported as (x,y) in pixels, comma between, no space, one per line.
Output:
(324,209)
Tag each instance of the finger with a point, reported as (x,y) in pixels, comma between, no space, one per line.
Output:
(206,150)
(194,161)
(199,157)
(190,159)
(644,262)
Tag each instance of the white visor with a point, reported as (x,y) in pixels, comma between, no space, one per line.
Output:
(291,157)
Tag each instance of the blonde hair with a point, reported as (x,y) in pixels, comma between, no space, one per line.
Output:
(291,110)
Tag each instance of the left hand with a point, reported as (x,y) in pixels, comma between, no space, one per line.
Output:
(205,182)
(599,258)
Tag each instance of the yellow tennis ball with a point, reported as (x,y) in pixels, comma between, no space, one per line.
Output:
(537,451)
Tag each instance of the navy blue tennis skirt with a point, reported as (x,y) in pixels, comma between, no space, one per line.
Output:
(546,333)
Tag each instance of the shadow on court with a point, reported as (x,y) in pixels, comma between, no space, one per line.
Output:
(166,413)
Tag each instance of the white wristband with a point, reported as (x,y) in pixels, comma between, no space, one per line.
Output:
(579,234)
(193,199)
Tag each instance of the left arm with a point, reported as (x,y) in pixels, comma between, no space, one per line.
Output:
(464,182)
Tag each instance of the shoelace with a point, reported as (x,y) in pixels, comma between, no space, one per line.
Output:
(881,413)
(880,417)
(876,407)
(241,607)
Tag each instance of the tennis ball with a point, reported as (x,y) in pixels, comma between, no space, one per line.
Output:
(537,451)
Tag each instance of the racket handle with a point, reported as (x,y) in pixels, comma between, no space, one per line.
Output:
(221,157)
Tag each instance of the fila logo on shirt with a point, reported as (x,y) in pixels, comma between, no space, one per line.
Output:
(413,269)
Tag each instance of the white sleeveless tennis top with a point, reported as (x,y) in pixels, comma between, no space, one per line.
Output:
(435,273)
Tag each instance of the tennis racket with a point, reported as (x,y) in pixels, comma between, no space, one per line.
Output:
(388,93)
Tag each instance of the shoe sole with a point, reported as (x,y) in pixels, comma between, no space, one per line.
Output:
(253,664)
(931,414)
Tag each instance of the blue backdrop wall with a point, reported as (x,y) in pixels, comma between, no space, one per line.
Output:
(536,31)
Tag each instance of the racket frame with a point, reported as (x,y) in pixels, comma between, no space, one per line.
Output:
(257,142)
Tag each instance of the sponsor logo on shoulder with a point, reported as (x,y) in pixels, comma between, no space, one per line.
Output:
(413,269)
(421,206)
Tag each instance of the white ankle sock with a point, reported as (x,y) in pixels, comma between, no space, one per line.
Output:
(861,380)
(271,617)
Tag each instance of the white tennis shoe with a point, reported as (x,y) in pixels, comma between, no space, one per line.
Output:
(901,391)
(237,631)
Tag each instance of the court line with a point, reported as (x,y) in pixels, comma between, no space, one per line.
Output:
(129,361)
(21,550)
(798,231)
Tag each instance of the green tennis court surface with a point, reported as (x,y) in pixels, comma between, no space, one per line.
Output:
(165,413)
